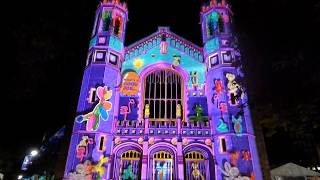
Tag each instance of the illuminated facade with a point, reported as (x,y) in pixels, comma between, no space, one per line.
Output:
(162,108)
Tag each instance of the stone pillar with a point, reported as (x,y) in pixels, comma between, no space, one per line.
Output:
(146,125)
(179,124)
(180,160)
(144,167)
(110,162)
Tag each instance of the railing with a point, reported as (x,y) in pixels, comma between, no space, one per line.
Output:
(165,128)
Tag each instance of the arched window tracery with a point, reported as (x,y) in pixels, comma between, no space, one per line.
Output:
(163,92)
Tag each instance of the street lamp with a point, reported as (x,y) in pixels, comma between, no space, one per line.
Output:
(34,153)
(20,176)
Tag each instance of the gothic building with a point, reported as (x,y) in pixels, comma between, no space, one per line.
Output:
(162,108)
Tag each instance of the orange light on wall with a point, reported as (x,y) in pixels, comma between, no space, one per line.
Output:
(130,84)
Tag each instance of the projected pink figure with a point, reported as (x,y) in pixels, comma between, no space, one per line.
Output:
(125,110)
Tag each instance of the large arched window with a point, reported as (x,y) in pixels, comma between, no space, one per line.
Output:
(163,92)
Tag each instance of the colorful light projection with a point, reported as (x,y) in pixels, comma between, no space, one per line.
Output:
(163,170)
(235,91)
(199,111)
(82,147)
(153,55)
(115,43)
(212,45)
(83,171)
(147,111)
(99,112)
(130,84)
(138,63)
(126,109)
(176,61)
(163,47)
(194,79)
(99,168)
(212,24)
(231,173)
(117,24)
(246,155)
(223,107)
(222,127)
(178,111)
(145,56)
(86,170)
(234,157)
(218,86)
(218,89)
(128,173)
(237,126)
(196,173)
(106,20)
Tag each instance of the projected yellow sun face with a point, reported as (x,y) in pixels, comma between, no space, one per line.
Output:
(138,63)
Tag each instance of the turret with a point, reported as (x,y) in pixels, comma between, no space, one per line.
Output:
(98,102)
(232,128)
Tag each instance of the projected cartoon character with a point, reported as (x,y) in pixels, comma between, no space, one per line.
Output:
(246,155)
(128,173)
(194,79)
(234,157)
(146,111)
(235,91)
(82,147)
(163,47)
(196,172)
(218,88)
(176,61)
(99,168)
(222,127)
(212,24)
(199,111)
(231,173)
(178,111)
(99,112)
(237,126)
(162,171)
(126,109)
(83,171)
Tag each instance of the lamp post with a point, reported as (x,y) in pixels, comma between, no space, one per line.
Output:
(28,159)
(34,153)
(20,176)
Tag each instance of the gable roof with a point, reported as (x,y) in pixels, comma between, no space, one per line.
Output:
(154,39)
(293,170)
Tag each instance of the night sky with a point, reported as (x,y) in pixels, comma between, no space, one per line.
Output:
(47,43)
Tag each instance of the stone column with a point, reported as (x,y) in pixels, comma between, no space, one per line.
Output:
(144,167)
(109,167)
(146,125)
(179,124)
(180,160)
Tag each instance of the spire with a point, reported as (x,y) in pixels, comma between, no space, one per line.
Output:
(120,3)
(213,4)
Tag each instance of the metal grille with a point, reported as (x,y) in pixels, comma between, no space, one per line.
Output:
(195,166)
(130,158)
(163,93)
